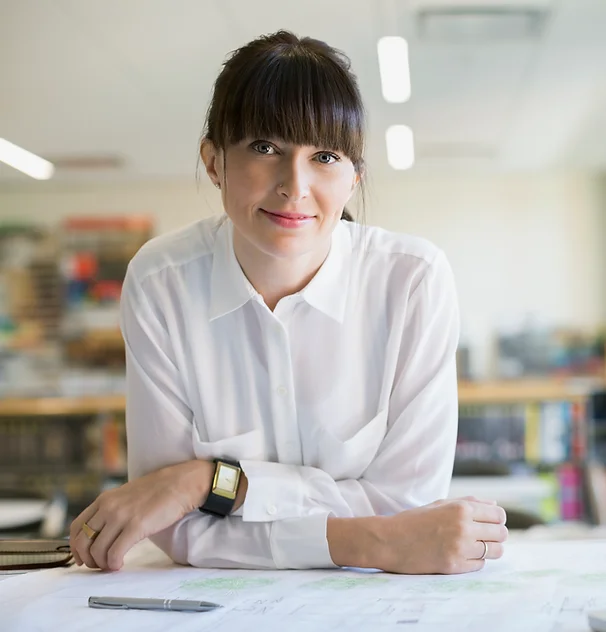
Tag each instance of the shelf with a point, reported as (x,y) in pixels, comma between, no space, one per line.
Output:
(104,336)
(100,338)
(62,405)
(502,392)
(469,393)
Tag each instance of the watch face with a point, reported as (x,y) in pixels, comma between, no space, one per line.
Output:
(227,477)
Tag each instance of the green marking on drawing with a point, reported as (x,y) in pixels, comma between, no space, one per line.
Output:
(346,583)
(227,583)
(590,578)
(463,586)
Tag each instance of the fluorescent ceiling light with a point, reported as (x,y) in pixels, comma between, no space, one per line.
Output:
(393,68)
(25,161)
(400,147)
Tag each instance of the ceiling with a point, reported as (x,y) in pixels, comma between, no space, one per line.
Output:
(129,81)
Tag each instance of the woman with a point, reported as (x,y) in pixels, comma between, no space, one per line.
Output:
(291,386)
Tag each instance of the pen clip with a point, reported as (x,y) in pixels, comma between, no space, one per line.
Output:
(97,602)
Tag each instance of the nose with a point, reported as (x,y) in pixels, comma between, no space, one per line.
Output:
(294,183)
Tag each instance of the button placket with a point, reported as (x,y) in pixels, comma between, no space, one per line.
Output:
(283,402)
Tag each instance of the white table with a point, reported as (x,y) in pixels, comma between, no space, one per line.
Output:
(539,586)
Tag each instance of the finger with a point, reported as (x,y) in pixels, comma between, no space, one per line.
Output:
(471,566)
(99,548)
(83,542)
(480,500)
(490,532)
(488,513)
(129,536)
(76,528)
(463,566)
(72,546)
(83,517)
(494,551)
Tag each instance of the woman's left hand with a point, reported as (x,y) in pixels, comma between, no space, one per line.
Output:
(123,516)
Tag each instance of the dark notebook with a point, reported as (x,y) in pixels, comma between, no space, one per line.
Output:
(32,554)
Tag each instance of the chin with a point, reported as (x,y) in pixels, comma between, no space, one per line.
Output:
(286,247)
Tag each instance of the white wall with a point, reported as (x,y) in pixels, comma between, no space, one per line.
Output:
(517,243)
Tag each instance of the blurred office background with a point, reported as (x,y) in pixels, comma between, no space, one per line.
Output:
(502,163)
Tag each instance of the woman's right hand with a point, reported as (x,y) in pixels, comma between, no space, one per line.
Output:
(444,537)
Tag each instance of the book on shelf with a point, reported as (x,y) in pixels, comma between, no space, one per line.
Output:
(540,439)
(545,433)
(76,454)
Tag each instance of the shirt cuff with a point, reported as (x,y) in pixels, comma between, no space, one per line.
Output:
(275,491)
(301,543)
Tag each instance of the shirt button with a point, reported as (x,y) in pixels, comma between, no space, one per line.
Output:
(282,390)
(271,510)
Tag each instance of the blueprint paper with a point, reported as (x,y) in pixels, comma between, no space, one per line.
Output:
(537,586)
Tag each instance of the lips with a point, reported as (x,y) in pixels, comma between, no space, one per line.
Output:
(288,221)
(287,215)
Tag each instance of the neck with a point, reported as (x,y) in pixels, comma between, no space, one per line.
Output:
(273,277)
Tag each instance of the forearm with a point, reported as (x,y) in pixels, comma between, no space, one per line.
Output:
(203,541)
(350,541)
(208,542)
(356,541)
(277,491)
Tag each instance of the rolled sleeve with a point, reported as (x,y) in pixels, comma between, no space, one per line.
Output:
(275,491)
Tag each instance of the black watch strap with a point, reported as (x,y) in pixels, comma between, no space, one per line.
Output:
(215,505)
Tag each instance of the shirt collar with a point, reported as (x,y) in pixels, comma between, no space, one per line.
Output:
(326,292)
(229,288)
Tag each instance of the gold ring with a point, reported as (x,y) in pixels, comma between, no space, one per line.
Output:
(91,534)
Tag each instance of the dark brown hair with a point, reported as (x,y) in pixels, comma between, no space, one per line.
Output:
(300,90)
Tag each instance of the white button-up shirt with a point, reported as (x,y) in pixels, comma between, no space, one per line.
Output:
(342,401)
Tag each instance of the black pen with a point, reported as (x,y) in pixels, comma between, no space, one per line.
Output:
(137,603)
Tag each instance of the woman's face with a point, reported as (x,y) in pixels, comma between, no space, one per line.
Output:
(284,200)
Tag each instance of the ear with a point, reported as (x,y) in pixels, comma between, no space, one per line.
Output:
(212,159)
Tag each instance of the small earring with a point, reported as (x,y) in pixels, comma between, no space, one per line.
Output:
(218,185)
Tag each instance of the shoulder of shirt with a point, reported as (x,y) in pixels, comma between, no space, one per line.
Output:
(176,248)
(373,240)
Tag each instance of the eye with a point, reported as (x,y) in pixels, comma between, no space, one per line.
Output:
(327,158)
(263,147)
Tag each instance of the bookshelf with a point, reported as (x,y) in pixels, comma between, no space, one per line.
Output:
(512,391)
(94,429)
(469,393)
(62,406)
(539,431)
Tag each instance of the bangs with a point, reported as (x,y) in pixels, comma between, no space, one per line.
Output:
(297,98)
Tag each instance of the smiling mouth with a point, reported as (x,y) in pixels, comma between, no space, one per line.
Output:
(287,215)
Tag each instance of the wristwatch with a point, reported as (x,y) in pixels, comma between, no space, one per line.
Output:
(222,496)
